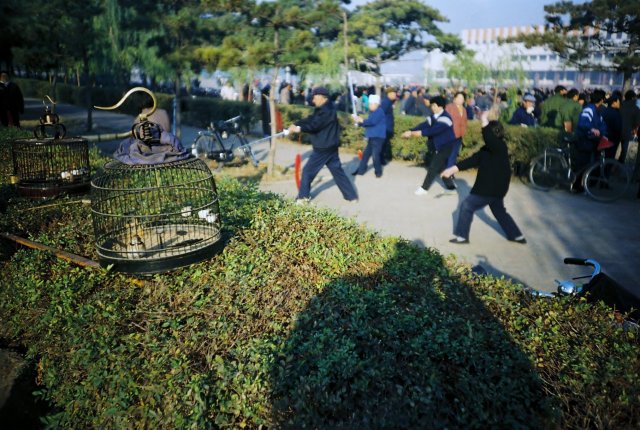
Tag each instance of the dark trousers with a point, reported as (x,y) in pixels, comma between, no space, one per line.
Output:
(454,152)
(373,150)
(623,152)
(475,202)
(386,149)
(437,164)
(317,161)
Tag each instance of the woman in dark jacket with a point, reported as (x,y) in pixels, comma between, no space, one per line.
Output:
(490,187)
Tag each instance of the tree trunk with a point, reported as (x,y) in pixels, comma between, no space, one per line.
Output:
(54,87)
(272,111)
(272,105)
(177,119)
(88,96)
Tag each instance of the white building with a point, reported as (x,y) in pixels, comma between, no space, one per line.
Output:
(541,66)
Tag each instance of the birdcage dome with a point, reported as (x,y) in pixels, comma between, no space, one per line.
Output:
(154,218)
(46,167)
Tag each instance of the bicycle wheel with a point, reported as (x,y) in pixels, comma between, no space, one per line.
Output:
(236,145)
(606,180)
(202,146)
(546,170)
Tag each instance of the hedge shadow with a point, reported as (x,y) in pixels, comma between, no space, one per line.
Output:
(395,351)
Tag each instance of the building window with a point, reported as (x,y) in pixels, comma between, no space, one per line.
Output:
(440,74)
(543,58)
(533,58)
(553,57)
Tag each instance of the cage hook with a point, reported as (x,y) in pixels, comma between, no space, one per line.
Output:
(141,117)
(143,129)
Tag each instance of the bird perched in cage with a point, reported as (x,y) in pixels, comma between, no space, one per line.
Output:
(137,246)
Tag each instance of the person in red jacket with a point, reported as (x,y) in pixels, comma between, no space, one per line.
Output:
(491,185)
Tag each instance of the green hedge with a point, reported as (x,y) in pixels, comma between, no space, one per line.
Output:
(524,143)
(305,320)
(196,111)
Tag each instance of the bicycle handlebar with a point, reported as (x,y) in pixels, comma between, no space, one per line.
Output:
(576,261)
(234,119)
(584,262)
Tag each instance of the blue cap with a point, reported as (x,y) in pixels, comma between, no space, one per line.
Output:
(321,91)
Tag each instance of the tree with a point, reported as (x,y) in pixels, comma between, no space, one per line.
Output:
(272,35)
(465,68)
(180,27)
(384,30)
(574,31)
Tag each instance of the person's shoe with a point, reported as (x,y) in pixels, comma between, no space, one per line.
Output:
(519,239)
(448,192)
(379,175)
(303,201)
(352,201)
(459,240)
(354,173)
(420,192)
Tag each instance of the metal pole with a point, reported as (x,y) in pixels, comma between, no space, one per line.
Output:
(174,107)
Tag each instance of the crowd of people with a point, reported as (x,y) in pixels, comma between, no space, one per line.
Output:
(582,118)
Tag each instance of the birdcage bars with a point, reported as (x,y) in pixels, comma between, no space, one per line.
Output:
(47,167)
(154,218)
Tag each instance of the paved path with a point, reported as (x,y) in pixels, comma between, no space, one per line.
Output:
(557,224)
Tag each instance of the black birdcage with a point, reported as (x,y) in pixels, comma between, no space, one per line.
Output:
(156,217)
(46,167)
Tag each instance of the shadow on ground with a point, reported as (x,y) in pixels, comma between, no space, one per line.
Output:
(406,347)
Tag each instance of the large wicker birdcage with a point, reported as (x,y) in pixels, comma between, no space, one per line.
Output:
(155,218)
(46,167)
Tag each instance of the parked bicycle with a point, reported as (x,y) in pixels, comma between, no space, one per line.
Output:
(599,288)
(224,142)
(605,180)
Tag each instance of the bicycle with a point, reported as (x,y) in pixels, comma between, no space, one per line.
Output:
(599,288)
(224,142)
(604,180)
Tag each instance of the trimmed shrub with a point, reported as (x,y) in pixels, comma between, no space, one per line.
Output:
(196,111)
(305,320)
(523,143)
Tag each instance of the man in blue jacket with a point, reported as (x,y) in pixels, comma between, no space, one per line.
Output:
(387,106)
(439,129)
(524,114)
(591,127)
(324,129)
(376,133)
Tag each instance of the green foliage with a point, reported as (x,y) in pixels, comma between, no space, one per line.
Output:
(464,69)
(306,320)
(523,143)
(384,30)
(577,31)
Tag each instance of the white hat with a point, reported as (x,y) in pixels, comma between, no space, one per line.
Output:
(374,98)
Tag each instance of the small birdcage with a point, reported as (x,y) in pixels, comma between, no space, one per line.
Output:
(46,167)
(155,217)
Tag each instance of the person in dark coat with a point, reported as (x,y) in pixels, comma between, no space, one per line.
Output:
(324,129)
(491,185)
(630,114)
(613,120)
(11,103)
(387,106)
(265,113)
(524,114)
